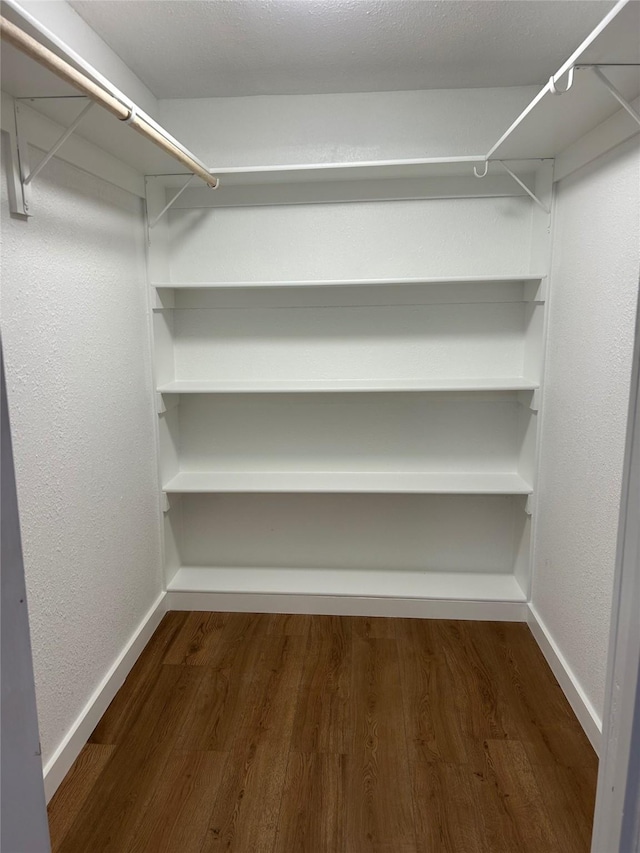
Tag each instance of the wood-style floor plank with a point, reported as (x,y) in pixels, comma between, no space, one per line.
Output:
(311,819)
(68,800)
(245,812)
(131,697)
(374,627)
(448,809)
(223,696)
(569,798)
(328,734)
(377,762)
(322,720)
(177,815)
(197,640)
(289,624)
(430,689)
(119,799)
(511,774)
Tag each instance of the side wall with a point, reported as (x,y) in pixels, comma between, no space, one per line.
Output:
(596,255)
(75,334)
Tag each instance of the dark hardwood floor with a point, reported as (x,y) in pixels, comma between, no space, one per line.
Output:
(282,734)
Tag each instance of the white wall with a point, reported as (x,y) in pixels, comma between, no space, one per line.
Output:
(266,130)
(75,336)
(596,251)
(350,241)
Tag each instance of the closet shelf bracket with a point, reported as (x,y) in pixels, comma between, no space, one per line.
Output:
(635,115)
(166,402)
(530,399)
(154,222)
(529,192)
(27,175)
(528,507)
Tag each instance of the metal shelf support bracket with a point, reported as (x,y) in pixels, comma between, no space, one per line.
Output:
(20,198)
(155,221)
(635,115)
(529,192)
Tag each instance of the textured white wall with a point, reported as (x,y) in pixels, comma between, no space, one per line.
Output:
(75,337)
(596,252)
(280,129)
(350,241)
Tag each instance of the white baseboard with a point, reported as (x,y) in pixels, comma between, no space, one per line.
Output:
(582,707)
(337,605)
(60,762)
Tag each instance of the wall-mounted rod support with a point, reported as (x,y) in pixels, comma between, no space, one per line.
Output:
(616,93)
(531,195)
(552,83)
(80,62)
(153,223)
(123,111)
(50,153)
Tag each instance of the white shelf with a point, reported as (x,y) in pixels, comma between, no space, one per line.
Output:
(369,482)
(355,282)
(185,386)
(291,173)
(551,123)
(462,586)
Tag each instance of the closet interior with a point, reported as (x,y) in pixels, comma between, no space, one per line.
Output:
(347,357)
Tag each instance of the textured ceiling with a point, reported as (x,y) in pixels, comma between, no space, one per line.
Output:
(207,48)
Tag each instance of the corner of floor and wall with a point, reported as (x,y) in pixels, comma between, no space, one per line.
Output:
(76,337)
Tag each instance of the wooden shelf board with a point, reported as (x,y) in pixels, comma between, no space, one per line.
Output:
(369,482)
(470,586)
(350,386)
(355,282)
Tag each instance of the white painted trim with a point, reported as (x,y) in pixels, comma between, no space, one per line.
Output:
(60,762)
(338,605)
(568,681)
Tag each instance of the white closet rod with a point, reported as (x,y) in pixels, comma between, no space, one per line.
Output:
(102,93)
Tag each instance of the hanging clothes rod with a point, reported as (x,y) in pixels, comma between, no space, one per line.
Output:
(112,101)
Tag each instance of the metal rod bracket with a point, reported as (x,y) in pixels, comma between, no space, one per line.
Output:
(22,176)
(528,191)
(58,144)
(18,202)
(617,94)
(154,222)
